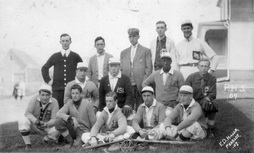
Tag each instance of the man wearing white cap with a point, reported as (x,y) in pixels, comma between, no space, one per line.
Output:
(120,84)
(89,89)
(161,44)
(136,63)
(40,117)
(150,114)
(188,116)
(98,64)
(191,49)
(167,82)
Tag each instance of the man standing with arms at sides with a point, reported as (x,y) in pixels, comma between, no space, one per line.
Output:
(167,81)
(136,63)
(191,49)
(162,44)
(65,64)
(89,89)
(204,87)
(120,84)
(98,64)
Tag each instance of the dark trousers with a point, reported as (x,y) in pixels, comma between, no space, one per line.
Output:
(59,96)
(137,97)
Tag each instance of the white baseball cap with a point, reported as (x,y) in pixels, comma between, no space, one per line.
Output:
(114,61)
(166,55)
(186,89)
(186,22)
(82,65)
(147,89)
(46,87)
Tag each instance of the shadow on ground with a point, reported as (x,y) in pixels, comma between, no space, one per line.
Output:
(235,134)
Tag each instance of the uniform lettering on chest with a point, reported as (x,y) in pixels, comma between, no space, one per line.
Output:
(196,55)
(120,90)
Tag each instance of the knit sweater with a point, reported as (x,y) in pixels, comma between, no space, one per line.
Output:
(90,92)
(157,118)
(122,89)
(116,124)
(64,69)
(33,111)
(84,114)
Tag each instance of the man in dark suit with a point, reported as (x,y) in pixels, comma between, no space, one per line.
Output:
(65,65)
(98,64)
(136,63)
(120,84)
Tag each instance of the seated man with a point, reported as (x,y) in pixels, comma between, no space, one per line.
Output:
(111,122)
(89,89)
(204,86)
(188,116)
(150,114)
(119,83)
(40,117)
(75,117)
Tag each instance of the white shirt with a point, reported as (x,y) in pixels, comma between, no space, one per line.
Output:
(100,60)
(66,52)
(165,75)
(133,52)
(186,111)
(113,80)
(149,112)
(82,85)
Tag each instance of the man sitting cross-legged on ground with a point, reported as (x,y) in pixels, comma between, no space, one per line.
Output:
(111,122)
(40,117)
(149,116)
(188,116)
(204,86)
(75,117)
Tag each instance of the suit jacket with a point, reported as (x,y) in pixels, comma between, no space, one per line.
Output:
(93,67)
(122,89)
(142,64)
(170,46)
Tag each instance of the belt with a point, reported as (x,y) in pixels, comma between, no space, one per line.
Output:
(190,64)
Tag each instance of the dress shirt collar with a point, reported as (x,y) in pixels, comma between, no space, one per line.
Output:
(170,71)
(153,105)
(189,39)
(191,104)
(135,46)
(162,40)
(65,51)
(77,81)
(99,55)
(205,76)
(119,75)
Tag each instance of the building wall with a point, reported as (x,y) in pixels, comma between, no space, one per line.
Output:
(242,10)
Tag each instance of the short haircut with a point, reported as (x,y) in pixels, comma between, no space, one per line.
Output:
(204,60)
(64,35)
(112,94)
(162,22)
(76,86)
(99,38)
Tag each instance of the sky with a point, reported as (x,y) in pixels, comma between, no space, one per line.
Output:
(34,26)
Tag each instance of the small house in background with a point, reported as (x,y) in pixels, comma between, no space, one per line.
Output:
(17,66)
(232,38)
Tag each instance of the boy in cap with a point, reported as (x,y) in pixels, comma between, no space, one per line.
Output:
(136,63)
(167,82)
(40,117)
(191,49)
(150,115)
(89,89)
(75,117)
(119,83)
(161,44)
(188,116)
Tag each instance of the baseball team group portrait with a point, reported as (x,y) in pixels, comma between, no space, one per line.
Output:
(156,76)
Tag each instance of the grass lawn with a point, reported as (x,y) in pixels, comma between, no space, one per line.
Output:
(235,134)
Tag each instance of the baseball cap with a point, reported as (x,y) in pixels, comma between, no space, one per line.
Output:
(114,61)
(186,22)
(166,55)
(46,88)
(147,89)
(186,89)
(82,65)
